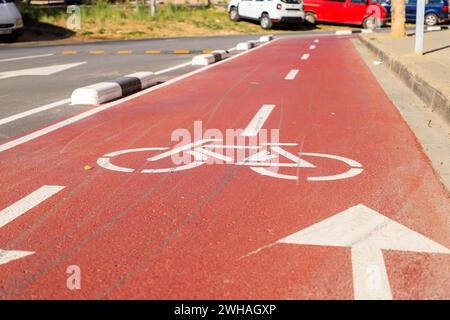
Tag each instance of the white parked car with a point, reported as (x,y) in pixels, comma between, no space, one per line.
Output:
(267,11)
(11,23)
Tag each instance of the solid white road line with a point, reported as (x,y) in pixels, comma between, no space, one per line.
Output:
(23,205)
(173,68)
(27,57)
(56,126)
(312,47)
(305,56)
(33,111)
(258,121)
(291,75)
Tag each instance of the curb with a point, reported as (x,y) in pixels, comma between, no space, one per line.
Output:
(431,96)
(345,32)
(99,93)
(437,28)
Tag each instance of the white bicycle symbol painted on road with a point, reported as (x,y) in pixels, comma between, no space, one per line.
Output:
(261,161)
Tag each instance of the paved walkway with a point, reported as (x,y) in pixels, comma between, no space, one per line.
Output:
(420,72)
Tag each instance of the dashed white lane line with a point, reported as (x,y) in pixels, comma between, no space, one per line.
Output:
(30,201)
(33,111)
(28,57)
(312,47)
(316,41)
(291,75)
(258,121)
(305,56)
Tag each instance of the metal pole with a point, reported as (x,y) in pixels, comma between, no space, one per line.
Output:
(420,16)
(153,7)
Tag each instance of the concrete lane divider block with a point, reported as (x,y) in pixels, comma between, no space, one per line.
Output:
(220,54)
(434,28)
(203,59)
(245,45)
(147,79)
(346,32)
(96,94)
(266,38)
(129,85)
(343,32)
(99,93)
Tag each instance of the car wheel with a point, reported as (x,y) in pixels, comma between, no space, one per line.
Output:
(310,18)
(370,23)
(266,22)
(234,14)
(431,19)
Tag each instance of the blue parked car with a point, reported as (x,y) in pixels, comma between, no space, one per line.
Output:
(436,11)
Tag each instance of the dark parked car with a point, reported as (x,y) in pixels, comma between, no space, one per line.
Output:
(436,11)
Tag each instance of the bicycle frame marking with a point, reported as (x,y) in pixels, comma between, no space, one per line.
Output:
(257,162)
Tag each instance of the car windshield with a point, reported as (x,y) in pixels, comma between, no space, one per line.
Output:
(6,1)
(290,1)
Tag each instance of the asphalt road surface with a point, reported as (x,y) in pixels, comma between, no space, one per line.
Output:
(323,193)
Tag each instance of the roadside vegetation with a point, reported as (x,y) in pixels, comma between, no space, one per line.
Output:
(103,20)
(126,21)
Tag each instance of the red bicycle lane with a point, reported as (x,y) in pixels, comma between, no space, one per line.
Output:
(188,234)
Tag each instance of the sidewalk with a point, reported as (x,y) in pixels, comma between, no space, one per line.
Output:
(428,75)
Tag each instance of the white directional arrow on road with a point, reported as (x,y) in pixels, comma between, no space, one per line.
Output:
(17,209)
(10,255)
(41,71)
(367,232)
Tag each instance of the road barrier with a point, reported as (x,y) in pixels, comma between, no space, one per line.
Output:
(245,45)
(345,32)
(266,38)
(203,60)
(99,93)
(437,28)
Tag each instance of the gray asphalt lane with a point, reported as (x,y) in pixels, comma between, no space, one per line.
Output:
(25,92)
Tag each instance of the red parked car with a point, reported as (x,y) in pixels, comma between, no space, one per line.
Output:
(368,13)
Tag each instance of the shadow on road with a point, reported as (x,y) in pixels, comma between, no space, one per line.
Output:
(40,31)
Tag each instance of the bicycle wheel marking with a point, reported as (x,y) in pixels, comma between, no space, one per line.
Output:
(260,162)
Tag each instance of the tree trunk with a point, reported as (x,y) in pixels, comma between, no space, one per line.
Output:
(398,27)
